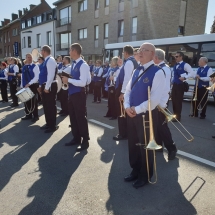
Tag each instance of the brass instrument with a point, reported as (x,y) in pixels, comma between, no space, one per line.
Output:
(169,117)
(152,145)
(65,86)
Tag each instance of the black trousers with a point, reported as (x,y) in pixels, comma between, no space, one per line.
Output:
(31,106)
(13,91)
(200,93)
(97,91)
(78,120)
(177,99)
(49,105)
(104,92)
(91,87)
(63,94)
(117,94)
(137,154)
(3,87)
(164,135)
(112,111)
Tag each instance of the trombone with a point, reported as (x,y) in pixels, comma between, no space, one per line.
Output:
(195,97)
(211,88)
(152,145)
(169,117)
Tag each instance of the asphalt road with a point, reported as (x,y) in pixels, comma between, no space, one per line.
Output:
(40,176)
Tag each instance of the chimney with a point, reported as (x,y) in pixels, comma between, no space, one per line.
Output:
(25,10)
(42,1)
(2,23)
(14,16)
(6,21)
(32,6)
(20,13)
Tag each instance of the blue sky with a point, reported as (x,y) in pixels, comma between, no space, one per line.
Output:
(12,6)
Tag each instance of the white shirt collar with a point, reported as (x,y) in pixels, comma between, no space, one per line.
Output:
(47,57)
(181,62)
(77,60)
(161,63)
(205,65)
(146,65)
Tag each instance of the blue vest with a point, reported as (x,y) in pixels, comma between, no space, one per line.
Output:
(139,93)
(105,70)
(120,78)
(27,74)
(112,71)
(43,72)
(202,74)
(177,73)
(2,73)
(40,66)
(11,77)
(60,65)
(96,78)
(75,73)
(91,68)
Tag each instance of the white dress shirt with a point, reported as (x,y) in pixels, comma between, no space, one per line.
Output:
(5,74)
(188,69)
(128,67)
(15,69)
(99,73)
(158,85)
(51,66)
(210,71)
(105,75)
(36,72)
(64,67)
(165,96)
(115,75)
(85,76)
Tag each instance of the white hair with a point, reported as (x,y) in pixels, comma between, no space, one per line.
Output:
(160,54)
(204,59)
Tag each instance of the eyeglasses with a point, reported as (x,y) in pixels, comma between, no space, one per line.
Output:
(143,50)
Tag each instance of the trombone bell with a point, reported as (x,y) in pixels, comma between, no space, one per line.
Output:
(65,87)
(152,145)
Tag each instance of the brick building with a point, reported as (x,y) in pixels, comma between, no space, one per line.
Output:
(94,23)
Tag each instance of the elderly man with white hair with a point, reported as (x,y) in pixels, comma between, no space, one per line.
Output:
(203,77)
(136,105)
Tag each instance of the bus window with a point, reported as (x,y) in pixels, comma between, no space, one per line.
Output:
(114,53)
(190,52)
(107,55)
(208,51)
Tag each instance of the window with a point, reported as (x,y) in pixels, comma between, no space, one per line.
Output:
(82,33)
(34,20)
(14,32)
(8,35)
(23,24)
(9,53)
(38,40)
(5,37)
(96,4)
(180,30)
(29,23)
(96,32)
(29,42)
(107,2)
(106,30)
(49,39)
(65,15)
(134,25)
(23,42)
(65,40)
(208,51)
(120,28)
(39,19)
(82,5)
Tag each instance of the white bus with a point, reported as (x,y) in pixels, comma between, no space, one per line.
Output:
(193,48)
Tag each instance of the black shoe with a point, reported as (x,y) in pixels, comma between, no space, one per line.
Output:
(202,117)
(61,112)
(44,127)
(26,117)
(139,183)
(82,147)
(72,143)
(112,118)
(98,102)
(159,150)
(119,137)
(35,119)
(172,154)
(130,178)
(106,116)
(50,130)
(14,105)
(64,114)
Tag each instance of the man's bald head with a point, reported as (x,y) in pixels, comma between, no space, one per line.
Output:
(146,53)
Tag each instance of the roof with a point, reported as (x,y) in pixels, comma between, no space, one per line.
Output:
(59,2)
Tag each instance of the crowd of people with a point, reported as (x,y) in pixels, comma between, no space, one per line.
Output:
(137,87)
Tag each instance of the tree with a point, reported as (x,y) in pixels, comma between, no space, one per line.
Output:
(213,27)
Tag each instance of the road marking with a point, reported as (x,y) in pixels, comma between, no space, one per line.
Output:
(100,123)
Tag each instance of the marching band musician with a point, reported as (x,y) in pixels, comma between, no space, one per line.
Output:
(97,79)
(182,71)
(3,82)
(136,105)
(13,70)
(80,73)
(29,78)
(164,135)
(59,62)
(110,82)
(64,93)
(48,89)
(203,76)
(123,78)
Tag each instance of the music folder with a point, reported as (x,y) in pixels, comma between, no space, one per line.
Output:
(66,74)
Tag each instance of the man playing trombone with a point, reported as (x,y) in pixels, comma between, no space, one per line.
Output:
(137,106)
(200,95)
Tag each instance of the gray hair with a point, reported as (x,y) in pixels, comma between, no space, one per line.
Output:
(160,54)
(114,60)
(204,59)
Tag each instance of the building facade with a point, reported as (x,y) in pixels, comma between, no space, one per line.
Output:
(94,23)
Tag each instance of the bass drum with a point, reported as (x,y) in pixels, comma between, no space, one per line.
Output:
(59,83)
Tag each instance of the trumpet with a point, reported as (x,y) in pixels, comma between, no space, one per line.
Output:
(211,88)
(65,86)
(152,145)
(169,117)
